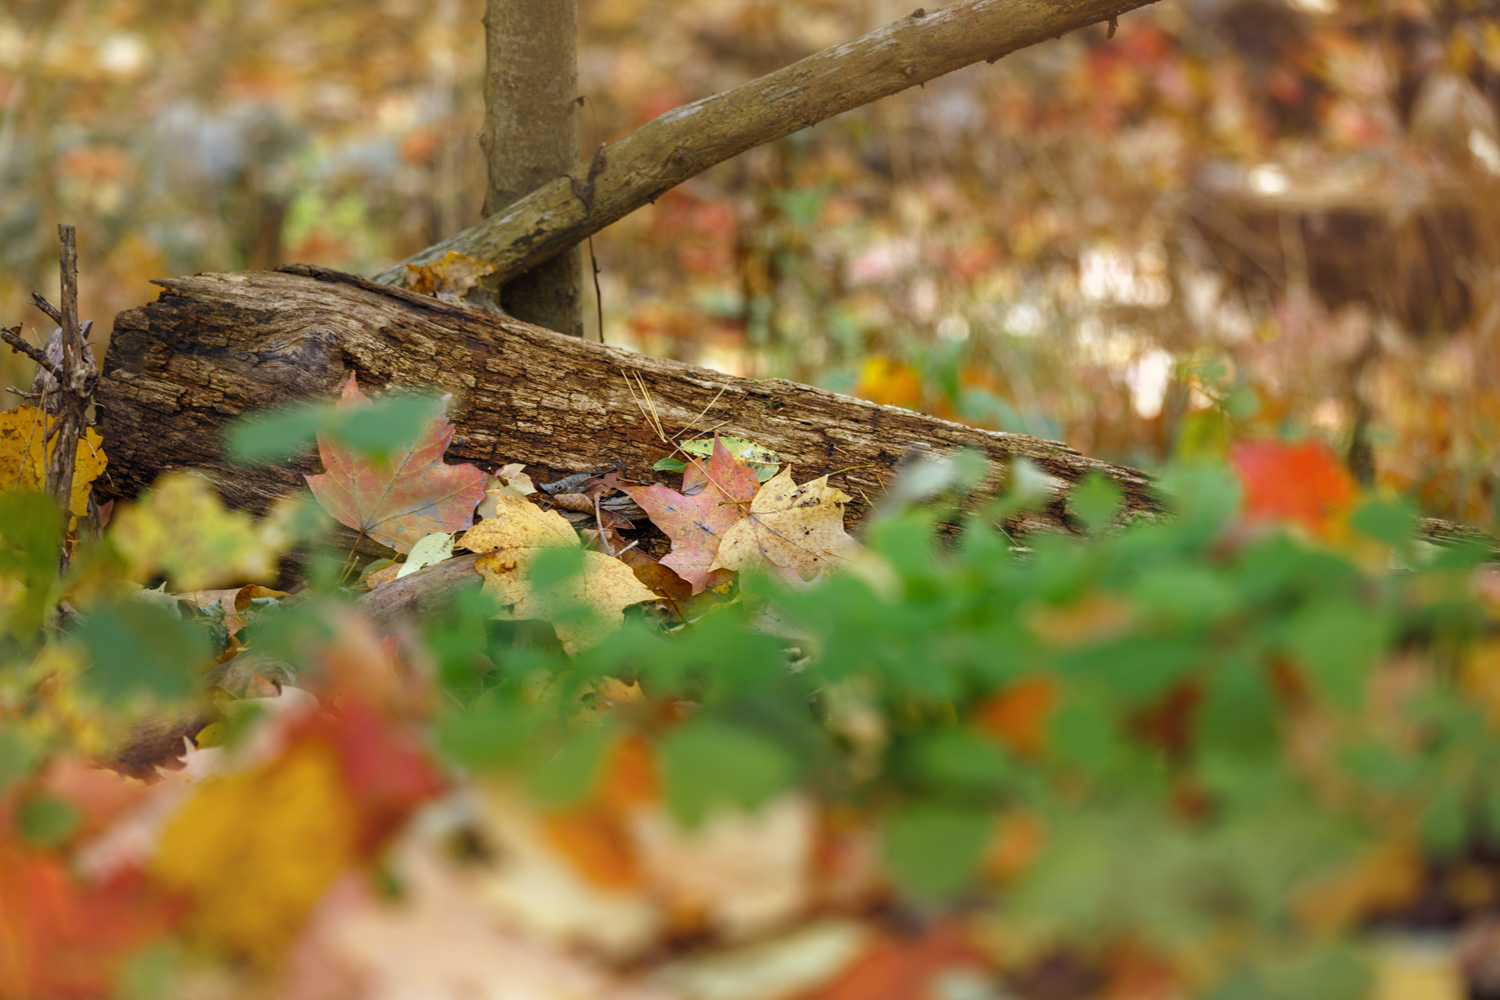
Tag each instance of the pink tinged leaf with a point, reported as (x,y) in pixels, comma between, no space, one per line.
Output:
(399,501)
(715,497)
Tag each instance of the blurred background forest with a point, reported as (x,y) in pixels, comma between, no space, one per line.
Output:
(1255,217)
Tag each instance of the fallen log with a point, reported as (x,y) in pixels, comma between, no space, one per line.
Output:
(214,346)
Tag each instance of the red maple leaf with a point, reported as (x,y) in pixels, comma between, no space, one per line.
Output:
(714,496)
(1298,483)
(398,501)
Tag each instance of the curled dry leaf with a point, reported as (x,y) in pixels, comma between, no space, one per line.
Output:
(450,278)
(796,532)
(509,543)
(510,481)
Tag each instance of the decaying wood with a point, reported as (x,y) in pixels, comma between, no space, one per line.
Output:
(683,142)
(217,345)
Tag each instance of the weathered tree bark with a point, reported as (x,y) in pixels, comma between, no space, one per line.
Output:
(530,137)
(688,140)
(217,345)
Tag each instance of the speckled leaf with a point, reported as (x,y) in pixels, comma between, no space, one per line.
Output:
(796,532)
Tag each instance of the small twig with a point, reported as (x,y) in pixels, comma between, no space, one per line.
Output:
(12,337)
(40,301)
(74,379)
(593,260)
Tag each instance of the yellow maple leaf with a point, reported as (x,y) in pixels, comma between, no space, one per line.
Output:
(509,544)
(253,852)
(23,463)
(796,532)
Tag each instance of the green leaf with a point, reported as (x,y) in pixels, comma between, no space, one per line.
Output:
(1094,502)
(46,820)
(1339,642)
(139,648)
(566,778)
(934,851)
(18,755)
(709,764)
(375,430)
(1383,520)
(1239,712)
(1082,733)
(1444,824)
(31,528)
(962,761)
(489,734)
(271,436)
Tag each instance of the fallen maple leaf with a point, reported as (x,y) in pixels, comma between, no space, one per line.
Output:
(399,501)
(714,498)
(509,543)
(251,852)
(794,531)
(23,461)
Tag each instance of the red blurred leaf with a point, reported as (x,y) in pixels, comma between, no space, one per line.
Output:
(386,772)
(63,938)
(714,497)
(1293,483)
(397,502)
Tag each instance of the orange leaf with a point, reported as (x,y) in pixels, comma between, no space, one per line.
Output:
(904,969)
(885,380)
(1017,716)
(1293,483)
(596,836)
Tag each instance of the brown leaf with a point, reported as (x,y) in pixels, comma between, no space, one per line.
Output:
(450,278)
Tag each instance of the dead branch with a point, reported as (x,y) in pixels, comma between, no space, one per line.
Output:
(688,140)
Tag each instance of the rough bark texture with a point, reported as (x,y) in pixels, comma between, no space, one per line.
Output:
(216,345)
(690,139)
(530,137)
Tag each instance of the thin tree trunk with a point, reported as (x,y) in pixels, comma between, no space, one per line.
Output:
(665,152)
(530,137)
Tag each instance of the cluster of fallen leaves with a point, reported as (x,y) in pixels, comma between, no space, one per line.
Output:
(261,842)
(722,522)
(311,844)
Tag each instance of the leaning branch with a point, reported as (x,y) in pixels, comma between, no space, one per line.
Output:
(684,142)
